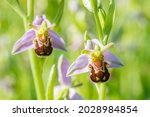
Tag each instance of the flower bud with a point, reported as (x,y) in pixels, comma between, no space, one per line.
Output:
(91,4)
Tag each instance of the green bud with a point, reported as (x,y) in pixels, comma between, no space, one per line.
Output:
(86,36)
(91,5)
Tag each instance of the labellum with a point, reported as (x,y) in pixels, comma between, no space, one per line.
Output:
(98,71)
(43,48)
(42,42)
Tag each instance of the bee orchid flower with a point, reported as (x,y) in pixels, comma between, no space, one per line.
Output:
(65,82)
(40,37)
(95,59)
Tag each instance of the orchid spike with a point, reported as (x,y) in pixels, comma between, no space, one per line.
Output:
(40,37)
(65,82)
(95,58)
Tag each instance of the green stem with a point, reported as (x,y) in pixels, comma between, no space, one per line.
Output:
(30,9)
(37,75)
(99,27)
(34,61)
(101,89)
(98,24)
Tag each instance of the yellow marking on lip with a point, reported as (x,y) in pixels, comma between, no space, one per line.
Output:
(41,52)
(97,79)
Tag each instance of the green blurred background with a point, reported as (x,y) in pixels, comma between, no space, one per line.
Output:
(130,33)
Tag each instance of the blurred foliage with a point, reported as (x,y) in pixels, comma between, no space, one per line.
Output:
(130,33)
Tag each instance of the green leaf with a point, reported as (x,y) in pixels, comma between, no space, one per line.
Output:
(59,13)
(63,95)
(13,2)
(50,84)
(17,8)
(109,21)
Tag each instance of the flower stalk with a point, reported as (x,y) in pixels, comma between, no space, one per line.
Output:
(36,71)
(99,27)
(98,24)
(30,9)
(101,89)
(103,36)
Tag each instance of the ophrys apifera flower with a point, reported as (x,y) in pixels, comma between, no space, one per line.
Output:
(95,59)
(40,37)
(65,90)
